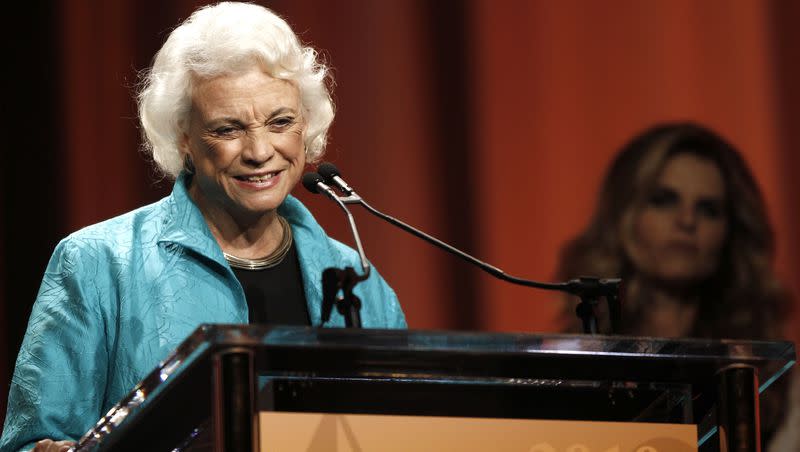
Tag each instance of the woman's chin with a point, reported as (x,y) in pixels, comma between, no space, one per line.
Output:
(680,279)
(262,203)
(260,210)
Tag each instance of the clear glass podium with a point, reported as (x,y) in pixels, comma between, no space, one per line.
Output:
(205,395)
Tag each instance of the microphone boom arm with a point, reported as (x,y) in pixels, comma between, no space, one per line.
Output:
(577,287)
(588,289)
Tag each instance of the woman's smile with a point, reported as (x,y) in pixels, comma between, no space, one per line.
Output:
(259,181)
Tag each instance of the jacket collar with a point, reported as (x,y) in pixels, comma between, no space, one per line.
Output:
(185,225)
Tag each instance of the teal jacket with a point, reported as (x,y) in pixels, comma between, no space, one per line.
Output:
(118,296)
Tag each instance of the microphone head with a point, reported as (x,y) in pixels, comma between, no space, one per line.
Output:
(310,181)
(328,171)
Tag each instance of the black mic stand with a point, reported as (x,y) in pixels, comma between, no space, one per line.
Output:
(348,304)
(590,290)
(338,280)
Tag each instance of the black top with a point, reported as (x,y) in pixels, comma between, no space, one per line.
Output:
(275,295)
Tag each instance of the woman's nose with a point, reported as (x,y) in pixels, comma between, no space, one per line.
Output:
(259,149)
(687,217)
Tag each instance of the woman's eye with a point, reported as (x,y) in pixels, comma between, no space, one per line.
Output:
(662,198)
(283,122)
(710,209)
(225,131)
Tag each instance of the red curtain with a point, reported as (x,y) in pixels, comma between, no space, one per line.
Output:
(487,123)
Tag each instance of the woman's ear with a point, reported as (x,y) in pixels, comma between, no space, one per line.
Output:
(185,150)
(188,164)
(183,139)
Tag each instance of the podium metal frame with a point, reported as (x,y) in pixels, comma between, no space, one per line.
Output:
(213,385)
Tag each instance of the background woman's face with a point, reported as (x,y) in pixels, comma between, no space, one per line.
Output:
(679,233)
(245,138)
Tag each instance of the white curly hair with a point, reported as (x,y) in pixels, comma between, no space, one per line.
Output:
(227,38)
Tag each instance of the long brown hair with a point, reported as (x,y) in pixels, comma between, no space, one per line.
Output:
(743,297)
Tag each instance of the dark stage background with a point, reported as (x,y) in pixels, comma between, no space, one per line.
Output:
(487,123)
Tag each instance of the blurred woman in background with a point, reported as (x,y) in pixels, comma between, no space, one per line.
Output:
(682,221)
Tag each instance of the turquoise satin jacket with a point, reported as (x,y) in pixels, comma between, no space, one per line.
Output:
(118,296)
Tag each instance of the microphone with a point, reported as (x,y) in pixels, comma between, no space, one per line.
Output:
(589,289)
(330,173)
(314,183)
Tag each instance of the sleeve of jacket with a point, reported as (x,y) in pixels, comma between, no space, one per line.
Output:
(59,380)
(379,291)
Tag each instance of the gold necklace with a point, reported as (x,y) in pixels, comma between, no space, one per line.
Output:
(275,258)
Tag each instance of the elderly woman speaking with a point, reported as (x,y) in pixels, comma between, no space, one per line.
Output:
(233,109)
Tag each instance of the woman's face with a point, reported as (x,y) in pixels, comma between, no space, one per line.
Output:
(679,233)
(245,139)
